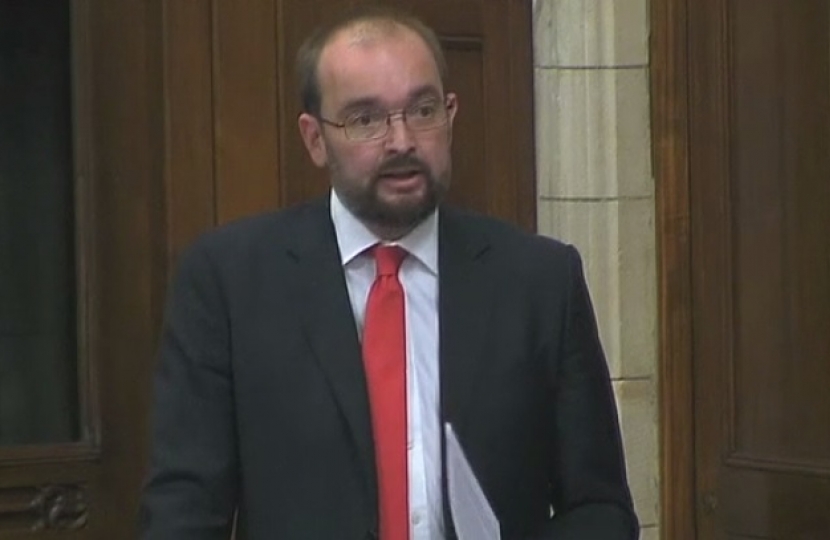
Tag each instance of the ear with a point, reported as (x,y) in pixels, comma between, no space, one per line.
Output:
(452,105)
(452,109)
(312,134)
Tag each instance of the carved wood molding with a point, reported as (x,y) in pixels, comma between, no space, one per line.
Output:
(760,463)
(670,149)
(53,507)
(12,456)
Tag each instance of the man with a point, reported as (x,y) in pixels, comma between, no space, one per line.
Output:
(306,392)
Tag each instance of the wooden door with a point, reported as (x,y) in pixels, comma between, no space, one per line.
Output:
(81,125)
(182,116)
(760,267)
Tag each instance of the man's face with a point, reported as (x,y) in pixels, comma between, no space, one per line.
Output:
(395,181)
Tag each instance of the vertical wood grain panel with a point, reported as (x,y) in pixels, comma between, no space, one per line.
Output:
(781,283)
(246,95)
(129,253)
(522,111)
(189,132)
(501,158)
(760,89)
(670,152)
(756,496)
(465,60)
(709,196)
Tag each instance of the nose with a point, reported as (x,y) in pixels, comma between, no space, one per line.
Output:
(399,137)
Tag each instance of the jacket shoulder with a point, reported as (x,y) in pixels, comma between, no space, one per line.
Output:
(509,238)
(265,231)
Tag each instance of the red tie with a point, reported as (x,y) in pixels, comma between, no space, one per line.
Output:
(384,358)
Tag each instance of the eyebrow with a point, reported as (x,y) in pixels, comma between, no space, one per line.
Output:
(426,90)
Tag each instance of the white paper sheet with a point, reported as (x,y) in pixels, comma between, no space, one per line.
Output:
(471,513)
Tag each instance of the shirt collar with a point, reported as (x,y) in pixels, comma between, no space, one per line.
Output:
(353,237)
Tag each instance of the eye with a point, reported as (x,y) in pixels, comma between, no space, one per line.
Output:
(367,118)
(424,110)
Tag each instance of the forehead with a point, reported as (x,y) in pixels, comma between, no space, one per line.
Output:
(386,64)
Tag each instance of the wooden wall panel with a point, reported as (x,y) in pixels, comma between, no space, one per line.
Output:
(464,60)
(246,95)
(92,486)
(761,267)
(127,251)
(189,122)
(781,259)
(670,150)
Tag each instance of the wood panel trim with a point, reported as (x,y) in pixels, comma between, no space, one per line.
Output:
(820,469)
(83,174)
(520,18)
(709,140)
(246,143)
(189,123)
(670,132)
(36,509)
(129,251)
(14,456)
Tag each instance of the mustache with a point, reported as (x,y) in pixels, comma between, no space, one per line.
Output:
(401,162)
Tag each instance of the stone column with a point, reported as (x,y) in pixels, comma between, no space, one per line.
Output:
(596,191)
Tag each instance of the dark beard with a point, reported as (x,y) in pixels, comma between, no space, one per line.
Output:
(367,206)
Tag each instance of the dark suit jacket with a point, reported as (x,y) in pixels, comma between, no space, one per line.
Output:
(261,401)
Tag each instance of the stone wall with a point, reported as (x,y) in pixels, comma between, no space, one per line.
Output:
(596,191)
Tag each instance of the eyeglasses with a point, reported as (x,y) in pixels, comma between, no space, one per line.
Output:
(373,123)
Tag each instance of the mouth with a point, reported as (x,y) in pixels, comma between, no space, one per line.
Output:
(400,174)
(402,181)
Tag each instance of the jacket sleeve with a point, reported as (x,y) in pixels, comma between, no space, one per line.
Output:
(191,487)
(589,489)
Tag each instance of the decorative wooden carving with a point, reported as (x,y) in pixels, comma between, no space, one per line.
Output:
(53,507)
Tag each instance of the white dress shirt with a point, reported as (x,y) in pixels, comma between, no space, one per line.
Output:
(419,278)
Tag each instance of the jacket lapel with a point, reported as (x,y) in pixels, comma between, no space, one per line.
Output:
(464,303)
(465,300)
(328,321)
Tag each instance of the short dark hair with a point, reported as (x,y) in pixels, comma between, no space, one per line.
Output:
(308,57)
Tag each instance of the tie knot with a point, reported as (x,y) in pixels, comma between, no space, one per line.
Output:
(388,259)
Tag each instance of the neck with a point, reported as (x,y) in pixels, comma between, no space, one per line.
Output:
(389,234)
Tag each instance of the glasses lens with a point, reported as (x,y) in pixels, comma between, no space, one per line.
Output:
(426,115)
(366,124)
(374,123)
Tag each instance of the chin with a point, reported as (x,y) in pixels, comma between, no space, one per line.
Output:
(410,203)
